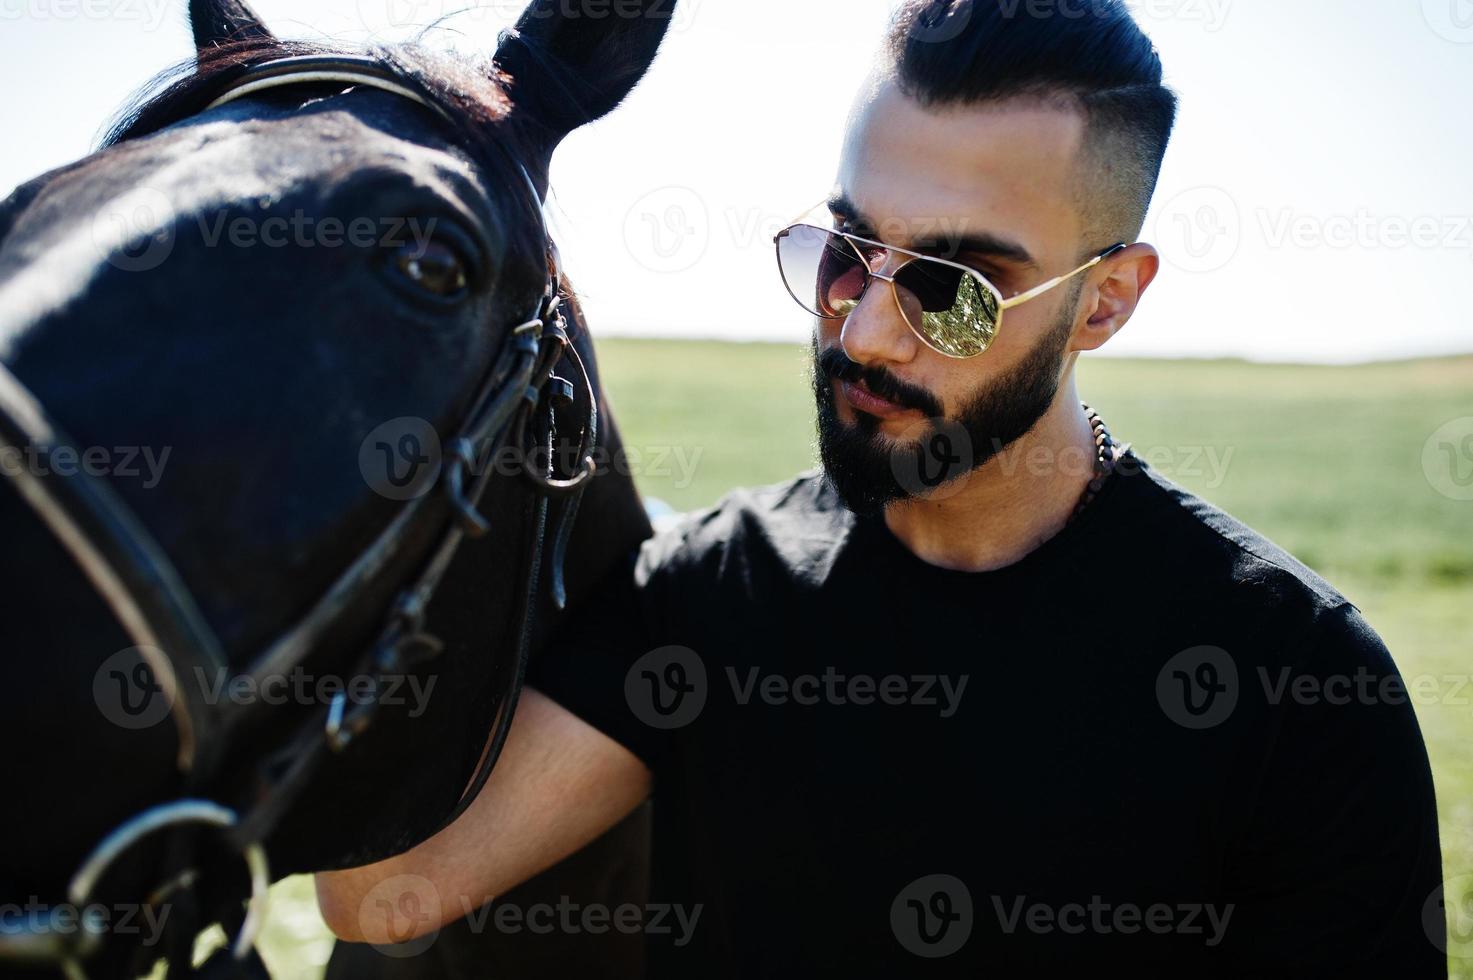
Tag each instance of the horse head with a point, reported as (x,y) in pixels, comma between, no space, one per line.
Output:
(296,412)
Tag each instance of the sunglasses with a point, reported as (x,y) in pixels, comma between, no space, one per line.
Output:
(952,308)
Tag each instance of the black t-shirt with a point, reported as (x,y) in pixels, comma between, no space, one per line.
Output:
(1157,744)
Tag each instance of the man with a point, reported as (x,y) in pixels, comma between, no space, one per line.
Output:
(988,694)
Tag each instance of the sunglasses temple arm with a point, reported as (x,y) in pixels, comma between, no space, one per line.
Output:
(1042,288)
(799,218)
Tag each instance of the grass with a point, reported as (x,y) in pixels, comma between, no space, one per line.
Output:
(1327,461)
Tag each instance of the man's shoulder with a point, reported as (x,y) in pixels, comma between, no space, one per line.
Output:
(1179,526)
(793,525)
(1229,569)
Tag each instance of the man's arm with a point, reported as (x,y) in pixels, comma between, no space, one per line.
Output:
(559,784)
(1339,874)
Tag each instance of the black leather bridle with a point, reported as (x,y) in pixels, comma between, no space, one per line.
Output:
(515,402)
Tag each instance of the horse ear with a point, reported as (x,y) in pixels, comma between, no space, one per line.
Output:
(568,68)
(216,22)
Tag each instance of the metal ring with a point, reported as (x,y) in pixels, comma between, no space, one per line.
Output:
(168,815)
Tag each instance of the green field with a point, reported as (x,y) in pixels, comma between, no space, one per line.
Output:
(1327,461)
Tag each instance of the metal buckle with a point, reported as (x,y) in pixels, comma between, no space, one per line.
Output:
(460,461)
(402,644)
(80,943)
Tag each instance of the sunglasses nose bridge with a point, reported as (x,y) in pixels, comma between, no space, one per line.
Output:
(895,289)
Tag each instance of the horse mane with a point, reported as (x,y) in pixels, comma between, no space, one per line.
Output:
(473,89)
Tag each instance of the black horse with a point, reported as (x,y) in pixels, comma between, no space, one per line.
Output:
(296,413)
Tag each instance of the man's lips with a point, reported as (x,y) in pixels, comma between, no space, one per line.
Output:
(861,399)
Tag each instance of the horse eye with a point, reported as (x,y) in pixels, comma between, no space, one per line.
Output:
(435,268)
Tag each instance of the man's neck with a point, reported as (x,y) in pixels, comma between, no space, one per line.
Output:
(1012,504)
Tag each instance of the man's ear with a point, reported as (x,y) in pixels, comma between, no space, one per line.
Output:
(1122,280)
(567,68)
(217,22)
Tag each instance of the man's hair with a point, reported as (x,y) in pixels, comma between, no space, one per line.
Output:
(1087,54)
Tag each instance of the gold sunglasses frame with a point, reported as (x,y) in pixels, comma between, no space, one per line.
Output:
(1003,303)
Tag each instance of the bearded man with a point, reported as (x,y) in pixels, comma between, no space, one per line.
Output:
(987,693)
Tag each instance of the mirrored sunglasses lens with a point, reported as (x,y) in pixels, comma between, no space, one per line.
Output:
(953,310)
(821,270)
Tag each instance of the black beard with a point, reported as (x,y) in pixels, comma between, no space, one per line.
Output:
(869,471)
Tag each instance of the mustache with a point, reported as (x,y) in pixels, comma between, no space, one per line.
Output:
(834,363)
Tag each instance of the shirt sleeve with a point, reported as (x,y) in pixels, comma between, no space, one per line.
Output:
(1341,864)
(588,659)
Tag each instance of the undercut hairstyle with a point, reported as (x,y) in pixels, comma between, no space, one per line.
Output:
(1088,55)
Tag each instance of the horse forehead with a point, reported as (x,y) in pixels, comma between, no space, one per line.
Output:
(239,154)
(234,159)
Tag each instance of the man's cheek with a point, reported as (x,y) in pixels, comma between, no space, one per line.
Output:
(828,331)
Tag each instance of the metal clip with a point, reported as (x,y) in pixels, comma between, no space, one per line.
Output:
(460,459)
(560,392)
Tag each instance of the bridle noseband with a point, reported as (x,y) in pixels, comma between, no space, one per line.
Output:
(516,401)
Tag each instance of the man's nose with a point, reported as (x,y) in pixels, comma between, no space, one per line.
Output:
(876,331)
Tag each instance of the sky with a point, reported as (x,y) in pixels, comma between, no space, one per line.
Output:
(1316,204)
